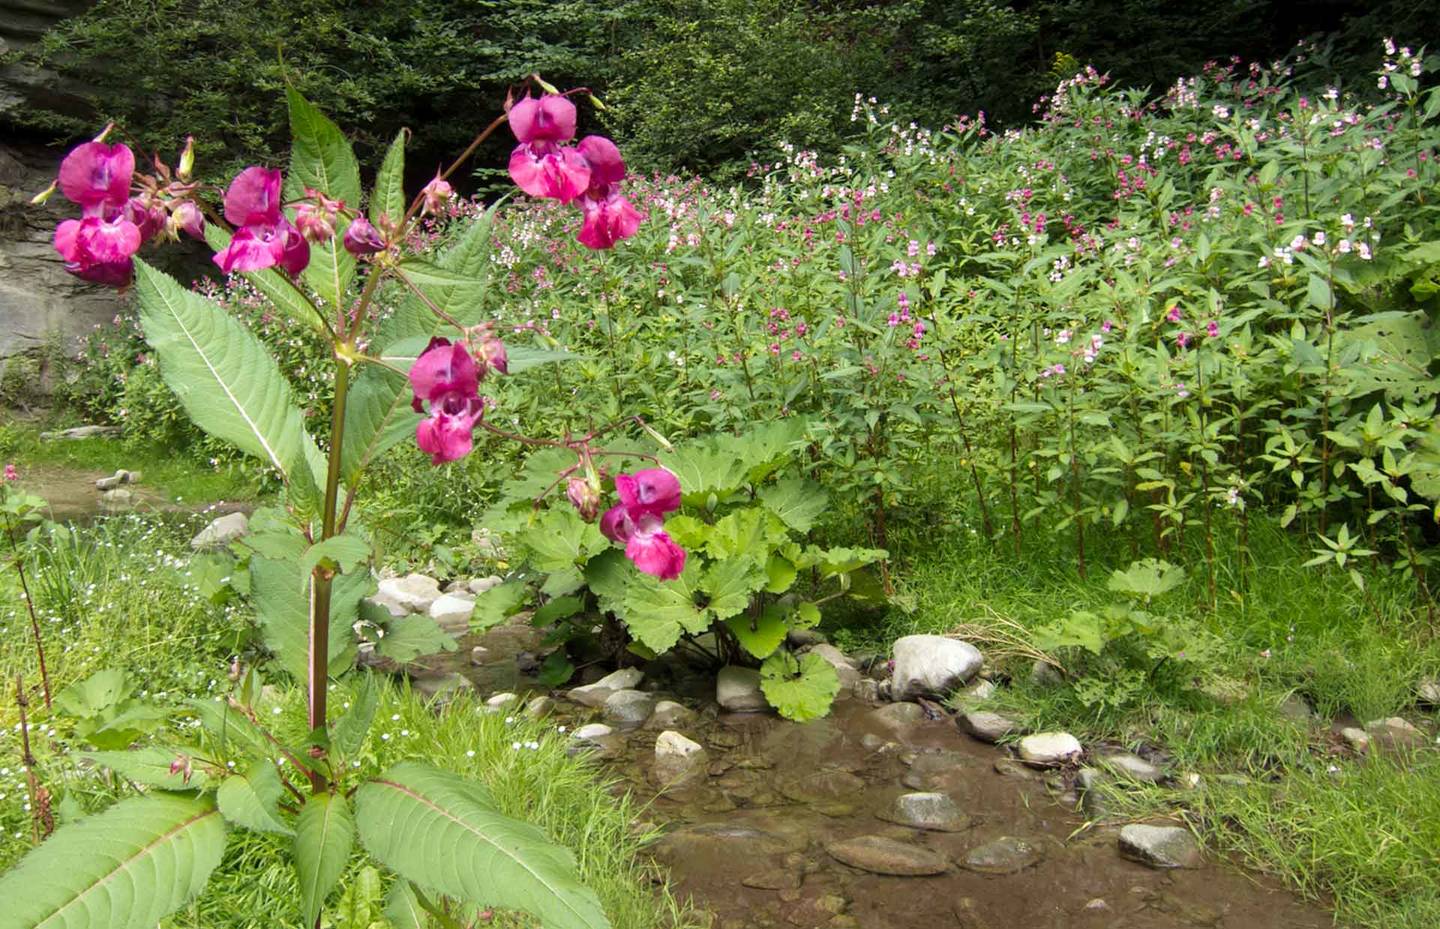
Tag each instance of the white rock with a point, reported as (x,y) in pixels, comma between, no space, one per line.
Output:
(629,708)
(845,669)
(481,584)
(1160,846)
(1358,739)
(415,592)
(389,604)
(980,690)
(988,727)
(597,693)
(592,731)
(221,531)
(1047,749)
(738,690)
(452,612)
(678,758)
(932,665)
(501,701)
(1133,767)
(479,654)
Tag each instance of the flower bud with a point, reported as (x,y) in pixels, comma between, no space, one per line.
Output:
(185,216)
(490,352)
(187,159)
(436,193)
(361,238)
(585,497)
(315,223)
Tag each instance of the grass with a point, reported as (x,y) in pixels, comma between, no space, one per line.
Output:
(1359,833)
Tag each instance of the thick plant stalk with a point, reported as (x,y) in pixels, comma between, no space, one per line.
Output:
(30,608)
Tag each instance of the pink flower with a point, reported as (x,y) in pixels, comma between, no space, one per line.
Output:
(1182,339)
(541,165)
(10,473)
(99,250)
(265,238)
(638,521)
(1174,314)
(435,193)
(96,175)
(148,216)
(186,217)
(99,246)
(609,216)
(584,496)
(447,378)
(362,238)
(1212,329)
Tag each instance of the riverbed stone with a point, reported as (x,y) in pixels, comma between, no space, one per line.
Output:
(502,702)
(1160,846)
(1396,734)
(1132,766)
(737,690)
(679,758)
(824,785)
(931,666)
(926,810)
(1048,749)
(977,691)
(451,613)
(670,715)
(880,855)
(415,592)
(628,709)
(939,771)
(845,669)
(597,693)
(1427,691)
(988,727)
(479,585)
(1358,739)
(539,707)
(896,718)
(1295,708)
(220,532)
(1005,855)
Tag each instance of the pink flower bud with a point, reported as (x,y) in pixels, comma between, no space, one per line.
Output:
(361,238)
(186,217)
(186,164)
(436,193)
(585,497)
(315,223)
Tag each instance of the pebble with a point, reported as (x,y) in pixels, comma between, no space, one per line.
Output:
(220,532)
(737,690)
(629,709)
(678,758)
(669,715)
(1132,766)
(988,727)
(597,693)
(1005,855)
(1358,739)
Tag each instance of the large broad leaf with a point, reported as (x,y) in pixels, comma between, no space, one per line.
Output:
(799,688)
(224,377)
(796,501)
(252,799)
(730,583)
(324,836)
(658,612)
(760,635)
(322,159)
(403,908)
(125,868)
(151,766)
(281,593)
(348,733)
(387,200)
(442,832)
(409,637)
(272,284)
(378,416)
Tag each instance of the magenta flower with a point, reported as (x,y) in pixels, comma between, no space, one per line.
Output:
(435,193)
(1212,329)
(99,246)
(99,250)
(362,238)
(447,378)
(609,216)
(147,215)
(186,217)
(637,521)
(584,496)
(10,473)
(263,238)
(96,175)
(1174,314)
(541,165)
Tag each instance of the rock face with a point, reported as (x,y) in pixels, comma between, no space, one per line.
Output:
(220,532)
(1005,855)
(932,665)
(738,690)
(1160,846)
(415,592)
(933,811)
(879,855)
(1048,749)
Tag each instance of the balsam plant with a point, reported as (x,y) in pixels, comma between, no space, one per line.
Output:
(306,244)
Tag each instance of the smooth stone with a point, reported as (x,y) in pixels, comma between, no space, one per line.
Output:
(591,731)
(1160,846)
(668,715)
(501,701)
(113,481)
(980,690)
(392,607)
(452,612)
(988,727)
(479,654)
(1045,674)
(879,855)
(844,668)
(821,786)
(1047,749)
(597,693)
(1358,739)
(539,707)
(1009,767)
(1005,855)
(738,690)
(728,840)
(938,771)
(895,718)
(933,811)
(801,638)
(931,666)
(479,585)
(1396,733)
(1428,691)
(221,531)
(415,592)
(629,709)
(1132,766)
(121,498)
(443,686)
(678,758)
(866,690)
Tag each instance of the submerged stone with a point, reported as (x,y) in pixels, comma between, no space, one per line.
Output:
(879,855)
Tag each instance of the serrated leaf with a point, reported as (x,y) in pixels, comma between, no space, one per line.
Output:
(687,531)
(796,501)
(403,908)
(359,906)
(225,378)
(348,733)
(608,575)
(229,728)
(281,594)
(324,837)
(409,637)
(378,416)
(800,688)
(441,831)
(748,531)
(252,799)
(497,604)
(780,574)
(387,200)
(561,540)
(557,609)
(272,284)
(658,612)
(125,868)
(840,560)
(760,635)
(149,766)
(730,583)
(347,551)
(321,158)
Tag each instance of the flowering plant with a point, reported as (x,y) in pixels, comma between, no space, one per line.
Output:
(301,238)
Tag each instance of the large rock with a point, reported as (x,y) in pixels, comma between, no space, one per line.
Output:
(597,693)
(1396,734)
(452,612)
(221,532)
(629,709)
(988,727)
(1005,855)
(845,669)
(738,690)
(928,810)
(1160,846)
(879,855)
(932,666)
(1048,749)
(415,592)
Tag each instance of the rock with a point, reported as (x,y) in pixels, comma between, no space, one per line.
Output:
(443,686)
(866,690)
(452,613)
(1045,674)
(1395,734)
(727,840)
(479,585)
(1160,846)
(115,480)
(824,785)
(221,532)
(479,654)
(879,855)
(591,731)
(931,665)
(737,690)
(1009,767)
(1295,707)
(597,693)
(802,638)
(896,718)
(1428,691)
(1358,739)
(977,692)
(1132,766)
(678,758)
(629,709)
(117,499)
(668,715)
(988,727)
(770,879)
(1190,780)
(1047,749)
(78,432)
(539,707)
(1087,782)
(933,811)
(939,771)
(1005,855)
(844,668)
(415,592)
(501,702)
(392,607)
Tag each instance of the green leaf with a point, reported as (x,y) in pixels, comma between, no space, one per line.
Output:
(557,609)
(324,837)
(608,575)
(321,157)
(1146,579)
(409,637)
(225,378)
(497,604)
(796,501)
(346,551)
(272,284)
(799,688)
(348,733)
(359,904)
(403,908)
(378,416)
(561,539)
(252,799)
(443,832)
(658,612)
(760,635)
(387,201)
(780,574)
(743,532)
(331,270)
(125,868)
(1080,629)
(281,593)
(229,728)
(730,583)
(102,691)
(150,766)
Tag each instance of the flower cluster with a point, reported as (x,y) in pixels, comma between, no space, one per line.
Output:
(263,236)
(638,521)
(447,377)
(542,165)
